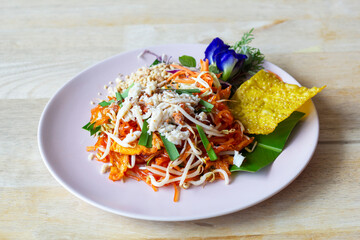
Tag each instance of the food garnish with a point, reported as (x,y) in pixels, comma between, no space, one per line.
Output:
(264,100)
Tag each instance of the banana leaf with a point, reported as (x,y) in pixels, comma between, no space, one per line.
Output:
(269,146)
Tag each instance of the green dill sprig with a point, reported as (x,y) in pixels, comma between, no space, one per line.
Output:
(255,58)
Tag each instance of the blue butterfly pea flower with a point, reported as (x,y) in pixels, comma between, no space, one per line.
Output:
(229,62)
(226,60)
(217,45)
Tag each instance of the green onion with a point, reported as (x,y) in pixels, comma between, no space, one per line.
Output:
(179,91)
(170,148)
(118,96)
(206,104)
(105,103)
(206,110)
(145,138)
(95,130)
(86,127)
(209,149)
(90,127)
(126,92)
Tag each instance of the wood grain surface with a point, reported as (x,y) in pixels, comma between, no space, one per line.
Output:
(43,44)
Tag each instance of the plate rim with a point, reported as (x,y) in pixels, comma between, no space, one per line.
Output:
(147,217)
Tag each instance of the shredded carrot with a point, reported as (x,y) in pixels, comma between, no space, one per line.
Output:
(176,194)
(90,148)
(175,75)
(184,69)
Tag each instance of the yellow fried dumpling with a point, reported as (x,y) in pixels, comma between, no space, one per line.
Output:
(264,100)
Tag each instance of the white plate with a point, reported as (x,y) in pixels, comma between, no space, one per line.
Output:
(63,143)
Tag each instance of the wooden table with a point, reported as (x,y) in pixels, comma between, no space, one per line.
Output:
(43,44)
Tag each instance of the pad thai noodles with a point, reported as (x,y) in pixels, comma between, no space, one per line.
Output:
(168,125)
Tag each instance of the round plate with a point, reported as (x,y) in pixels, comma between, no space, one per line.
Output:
(62,143)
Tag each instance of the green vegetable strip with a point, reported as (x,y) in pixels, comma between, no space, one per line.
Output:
(118,96)
(209,149)
(86,127)
(207,110)
(206,104)
(90,127)
(187,91)
(149,141)
(170,148)
(104,103)
(95,130)
(144,137)
(126,92)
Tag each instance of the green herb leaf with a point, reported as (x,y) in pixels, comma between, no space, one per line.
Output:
(214,69)
(126,92)
(95,130)
(180,91)
(206,104)
(86,127)
(187,61)
(118,96)
(156,62)
(105,103)
(170,148)
(209,149)
(255,58)
(269,146)
(90,127)
(145,138)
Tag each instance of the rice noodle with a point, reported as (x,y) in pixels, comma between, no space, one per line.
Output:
(194,149)
(194,120)
(241,125)
(225,175)
(177,162)
(203,179)
(133,161)
(121,113)
(118,141)
(201,81)
(186,169)
(184,148)
(167,179)
(197,163)
(162,182)
(173,171)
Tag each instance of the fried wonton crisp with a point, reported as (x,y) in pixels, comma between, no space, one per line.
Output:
(264,101)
